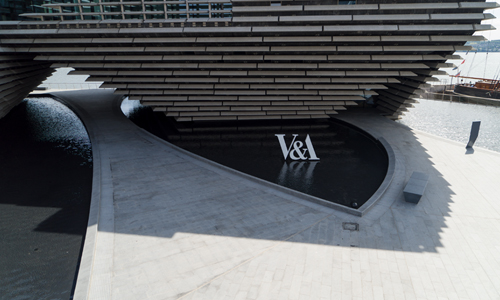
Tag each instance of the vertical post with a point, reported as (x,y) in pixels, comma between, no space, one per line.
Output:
(442,93)
(474,132)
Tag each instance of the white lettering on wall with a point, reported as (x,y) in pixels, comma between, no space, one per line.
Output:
(298,152)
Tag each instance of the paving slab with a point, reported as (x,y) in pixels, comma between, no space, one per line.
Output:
(166,225)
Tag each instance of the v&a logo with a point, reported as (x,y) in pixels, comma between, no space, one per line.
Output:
(297,153)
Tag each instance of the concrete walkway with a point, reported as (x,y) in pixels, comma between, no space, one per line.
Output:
(165,225)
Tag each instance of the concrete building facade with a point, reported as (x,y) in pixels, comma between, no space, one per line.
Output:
(242,59)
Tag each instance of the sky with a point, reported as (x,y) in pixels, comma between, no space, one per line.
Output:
(492,34)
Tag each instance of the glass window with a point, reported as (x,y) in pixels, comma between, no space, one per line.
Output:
(347,2)
(202,6)
(222,15)
(90,9)
(176,16)
(92,17)
(68,18)
(111,8)
(155,16)
(133,16)
(71,9)
(112,17)
(221,6)
(51,18)
(176,7)
(154,7)
(197,16)
(132,7)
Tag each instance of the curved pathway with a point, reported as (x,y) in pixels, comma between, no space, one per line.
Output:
(167,225)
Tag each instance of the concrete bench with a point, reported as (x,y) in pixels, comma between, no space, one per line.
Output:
(415,187)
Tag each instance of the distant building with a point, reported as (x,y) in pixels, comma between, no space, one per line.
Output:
(242,59)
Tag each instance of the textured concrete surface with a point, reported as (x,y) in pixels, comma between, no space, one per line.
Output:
(415,188)
(174,227)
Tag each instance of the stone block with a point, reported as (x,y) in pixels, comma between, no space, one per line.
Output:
(415,187)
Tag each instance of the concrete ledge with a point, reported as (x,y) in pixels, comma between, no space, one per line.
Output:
(391,157)
(101,217)
(419,6)
(82,288)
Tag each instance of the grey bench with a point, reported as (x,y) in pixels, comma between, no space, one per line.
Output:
(415,187)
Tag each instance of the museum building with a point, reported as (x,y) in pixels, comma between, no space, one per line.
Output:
(242,59)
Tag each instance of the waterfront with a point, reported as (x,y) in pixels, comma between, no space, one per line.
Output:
(452,120)
(45,183)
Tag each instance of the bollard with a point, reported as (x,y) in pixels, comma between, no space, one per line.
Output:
(474,132)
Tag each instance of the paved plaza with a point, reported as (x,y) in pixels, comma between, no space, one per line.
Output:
(167,225)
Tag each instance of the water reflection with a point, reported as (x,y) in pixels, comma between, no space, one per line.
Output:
(50,121)
(45,186)
(297,173)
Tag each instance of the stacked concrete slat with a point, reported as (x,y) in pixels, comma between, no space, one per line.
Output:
(300,59)
(19,75)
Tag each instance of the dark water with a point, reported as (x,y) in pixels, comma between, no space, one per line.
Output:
(350,168)
(45,188)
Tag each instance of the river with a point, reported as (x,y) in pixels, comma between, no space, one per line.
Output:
(452,120)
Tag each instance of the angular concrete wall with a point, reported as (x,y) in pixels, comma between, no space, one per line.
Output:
(19,75)
(297,60)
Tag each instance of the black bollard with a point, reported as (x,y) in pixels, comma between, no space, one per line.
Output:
(474,132)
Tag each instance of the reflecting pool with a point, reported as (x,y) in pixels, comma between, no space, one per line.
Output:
(350,166)
(45,186)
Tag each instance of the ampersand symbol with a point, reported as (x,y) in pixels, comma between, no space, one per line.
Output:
(296,149)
